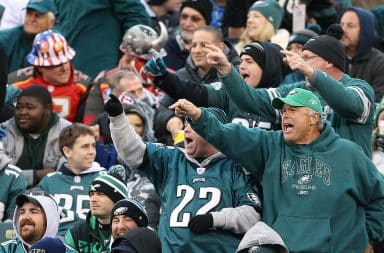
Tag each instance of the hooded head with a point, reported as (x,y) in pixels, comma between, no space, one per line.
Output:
(367,23)
(141,239)
(267,55)
(50,212)
(141,109)
(261,238)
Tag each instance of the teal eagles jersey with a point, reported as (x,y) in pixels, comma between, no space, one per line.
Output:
(71,194)
(13,182)
(187,189)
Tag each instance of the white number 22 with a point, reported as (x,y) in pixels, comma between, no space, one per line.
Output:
(189,195)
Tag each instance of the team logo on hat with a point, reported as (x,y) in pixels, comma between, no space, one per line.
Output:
(120,211)
(313,102)
(293,92)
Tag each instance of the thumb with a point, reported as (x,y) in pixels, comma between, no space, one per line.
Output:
(114,98)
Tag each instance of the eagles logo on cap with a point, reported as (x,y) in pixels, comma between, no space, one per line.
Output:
(120,211)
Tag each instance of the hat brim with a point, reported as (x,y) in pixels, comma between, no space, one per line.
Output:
(37,8)
(278,103)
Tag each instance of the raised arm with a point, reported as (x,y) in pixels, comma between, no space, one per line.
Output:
(128,143)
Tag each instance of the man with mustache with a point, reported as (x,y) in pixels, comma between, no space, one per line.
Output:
(36,216)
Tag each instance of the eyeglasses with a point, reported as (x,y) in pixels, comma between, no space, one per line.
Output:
(307,58)
(194,19)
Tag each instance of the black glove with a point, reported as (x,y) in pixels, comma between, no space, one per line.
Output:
(379,141)
(113,106)
(201,223)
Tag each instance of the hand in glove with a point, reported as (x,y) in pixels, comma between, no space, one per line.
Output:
(379,142)
(113,106)
(156,65)
(201,223)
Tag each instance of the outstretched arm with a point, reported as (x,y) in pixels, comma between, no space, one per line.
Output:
(128,143)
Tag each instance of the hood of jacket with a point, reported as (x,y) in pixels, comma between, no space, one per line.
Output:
(367,31)
(275,69)
(142,240)
(52,215)
(261,235)
(324,142)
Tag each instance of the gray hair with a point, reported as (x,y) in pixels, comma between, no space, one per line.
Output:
(320,123)
(115,80)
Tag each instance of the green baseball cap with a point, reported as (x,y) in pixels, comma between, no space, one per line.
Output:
(42,6)
(299,97)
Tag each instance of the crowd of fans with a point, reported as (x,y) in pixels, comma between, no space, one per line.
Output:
(191,126)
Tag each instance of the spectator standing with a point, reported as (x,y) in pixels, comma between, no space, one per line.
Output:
(69,185)
(363,60)
(348,102)
(194,173)
(32,135)
(304,164)
(197,70)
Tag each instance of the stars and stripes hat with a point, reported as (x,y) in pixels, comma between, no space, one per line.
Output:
(50,49)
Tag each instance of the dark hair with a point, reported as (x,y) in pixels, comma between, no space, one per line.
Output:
(69,135)
(217,34)
(39,92)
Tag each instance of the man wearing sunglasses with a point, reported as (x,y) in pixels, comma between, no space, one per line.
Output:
(36,216)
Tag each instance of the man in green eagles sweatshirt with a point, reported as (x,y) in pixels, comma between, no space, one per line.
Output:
(321,192)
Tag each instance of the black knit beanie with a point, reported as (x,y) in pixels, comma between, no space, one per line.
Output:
(328,46)
(132,209)
(203,6)
(256,51)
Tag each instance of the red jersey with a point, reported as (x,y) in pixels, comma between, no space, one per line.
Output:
(66,98)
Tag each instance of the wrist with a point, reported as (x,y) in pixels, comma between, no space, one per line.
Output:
(225,69)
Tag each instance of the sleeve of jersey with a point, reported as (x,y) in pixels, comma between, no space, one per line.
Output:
(18,186)
(249,99)
(352,100)
(177,88)
(129,145)
(247,206)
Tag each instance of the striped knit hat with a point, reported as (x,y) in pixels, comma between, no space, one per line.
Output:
(110,186)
